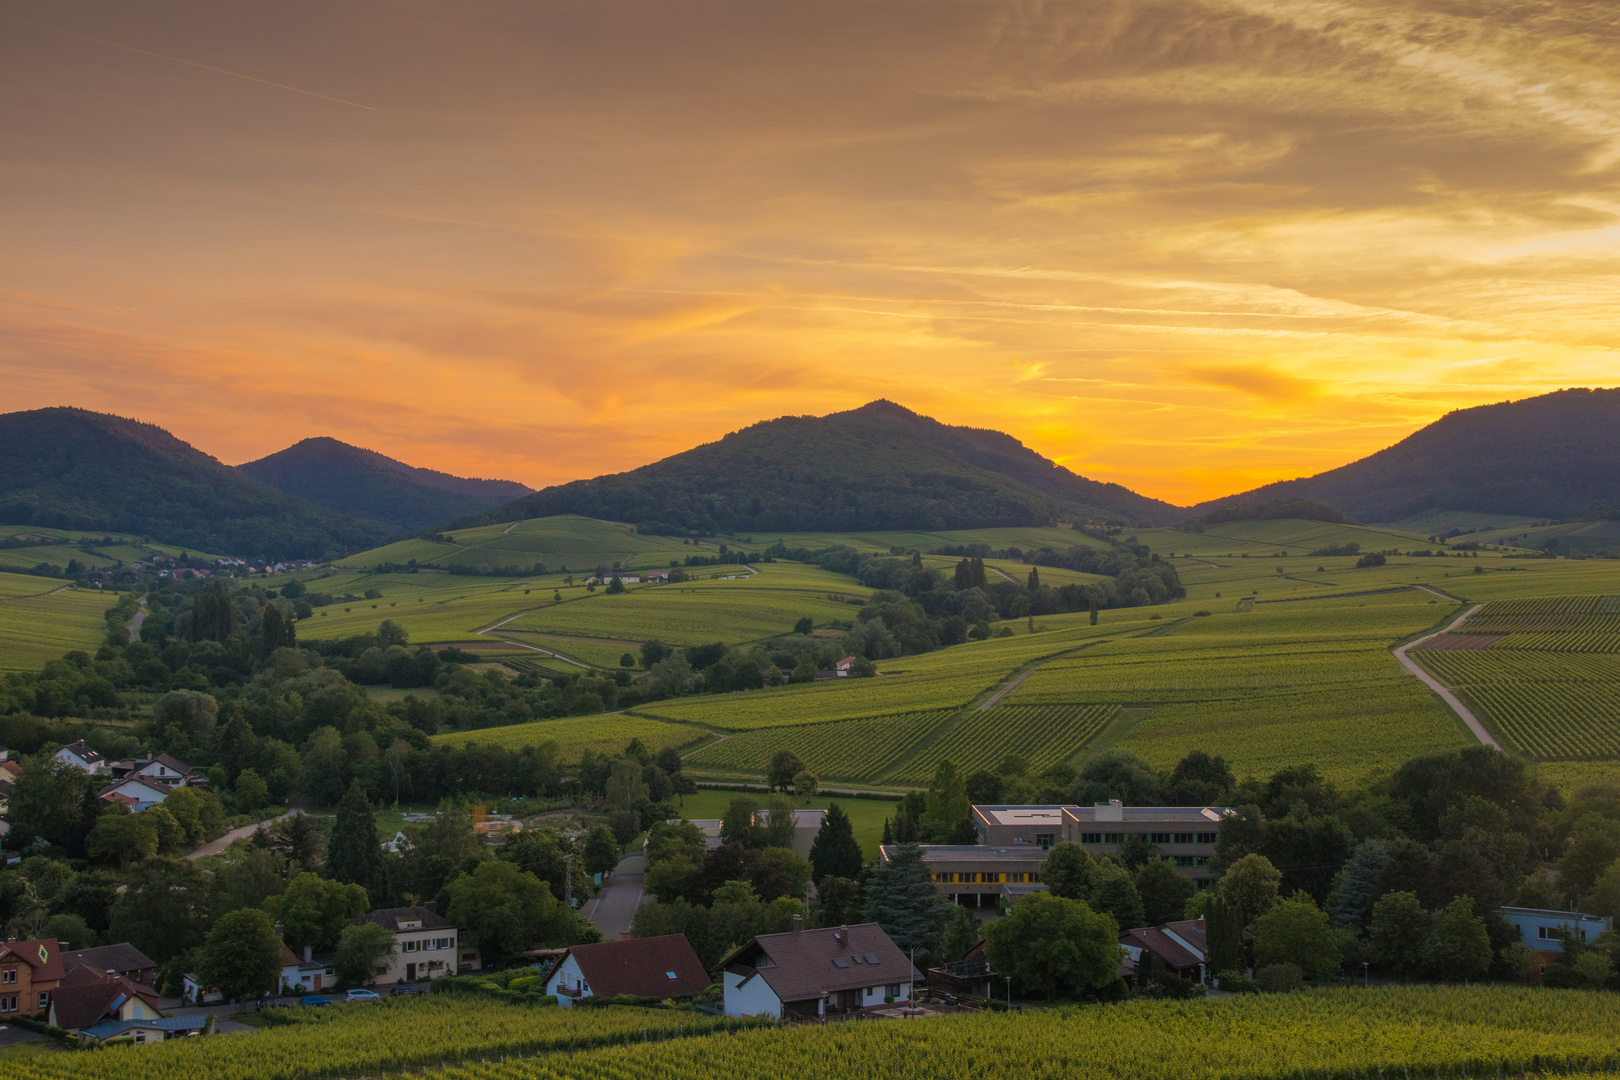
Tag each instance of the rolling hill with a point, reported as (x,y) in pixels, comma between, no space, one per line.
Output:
(74,469)
(366,484)
(880,466)
(1554,456)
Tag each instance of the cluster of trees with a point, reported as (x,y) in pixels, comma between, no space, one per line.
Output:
(313,877)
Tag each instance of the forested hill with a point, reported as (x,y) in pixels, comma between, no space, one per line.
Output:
(1557,456)
(74,469)
(367,484)
(877,467)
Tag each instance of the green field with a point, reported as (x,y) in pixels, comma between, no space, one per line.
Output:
(600,734)
(855,750)
(41,619)
(1549,684)
(866,815)
(1042,735)
(1445,1033)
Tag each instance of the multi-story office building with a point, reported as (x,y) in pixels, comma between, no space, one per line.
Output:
(1013,842)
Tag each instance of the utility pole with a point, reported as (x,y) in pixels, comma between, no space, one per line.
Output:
(1009,992)
(568,880)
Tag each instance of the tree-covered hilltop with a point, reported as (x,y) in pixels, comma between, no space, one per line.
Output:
(1556,456)
(877,467)
(74,469)
(366,484)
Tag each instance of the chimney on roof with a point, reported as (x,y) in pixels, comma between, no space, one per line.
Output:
(309,951)
(798,923)
(625,936)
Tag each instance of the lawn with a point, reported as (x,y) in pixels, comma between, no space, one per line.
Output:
(601,734)
(865,815)
(49,621)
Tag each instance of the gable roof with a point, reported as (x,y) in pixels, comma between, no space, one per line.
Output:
(86,1002)
(390,918)
(641,967)
(1163,946)
(120,957)
(44,955)
(81,750)
(804,964)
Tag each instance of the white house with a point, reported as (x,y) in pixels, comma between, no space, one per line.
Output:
(1539,927)
(426,945)
(306,976)
(837,970)
(79,755)
(654,967)
(137,793)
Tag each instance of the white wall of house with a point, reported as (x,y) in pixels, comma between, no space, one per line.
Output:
(432,953)
(750,997)
(567,977)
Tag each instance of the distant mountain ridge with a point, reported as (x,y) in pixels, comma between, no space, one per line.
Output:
(880,466)
(1555,456)
(365,484)
(75,469)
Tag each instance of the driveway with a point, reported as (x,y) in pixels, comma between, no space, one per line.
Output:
(621,895)
(214,847)
(1440,688)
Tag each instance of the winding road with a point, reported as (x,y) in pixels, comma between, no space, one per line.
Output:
(1440,688)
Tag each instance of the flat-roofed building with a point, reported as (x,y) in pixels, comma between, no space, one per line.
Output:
(977,875)
(1183,834)
(1012,826)
(1013,842)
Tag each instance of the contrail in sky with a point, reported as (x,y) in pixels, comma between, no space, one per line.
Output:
(190,63)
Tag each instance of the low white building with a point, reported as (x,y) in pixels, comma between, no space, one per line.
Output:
(802,974)
(79,755)
(654,967)
(1539,928)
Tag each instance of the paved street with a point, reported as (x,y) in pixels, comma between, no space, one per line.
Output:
(612,911)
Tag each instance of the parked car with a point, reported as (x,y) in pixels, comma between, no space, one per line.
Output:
(406,988)
(315,999)
(358,994)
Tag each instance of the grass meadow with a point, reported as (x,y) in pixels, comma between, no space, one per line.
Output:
(41,619)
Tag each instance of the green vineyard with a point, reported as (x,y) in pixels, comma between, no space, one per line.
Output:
(1043,735)
(860,749)
(1553,705)
(1550,605)
(371,1039)
(1388,1034)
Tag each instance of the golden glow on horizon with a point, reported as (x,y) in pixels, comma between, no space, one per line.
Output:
(1190,247)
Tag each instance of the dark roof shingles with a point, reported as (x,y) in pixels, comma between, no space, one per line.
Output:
(640,967)
(803,965)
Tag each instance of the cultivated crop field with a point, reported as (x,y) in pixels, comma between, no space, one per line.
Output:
(600,734)
(1393,1032)
(1042,735)
(1550,685)
(41,619)
(369,1039)
(857,750)
(693,613)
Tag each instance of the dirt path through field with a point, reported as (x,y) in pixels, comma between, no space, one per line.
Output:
(1009,688)
(134,625)
(1440,688)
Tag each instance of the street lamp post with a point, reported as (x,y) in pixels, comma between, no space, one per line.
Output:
(1009,991)
(1364,983)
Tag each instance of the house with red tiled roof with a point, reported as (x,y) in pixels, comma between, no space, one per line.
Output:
(802,974)
(653,967)
(29,972)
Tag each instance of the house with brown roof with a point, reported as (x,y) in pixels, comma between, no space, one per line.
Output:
(29,972)
(1180,947)
(121,959)
(81,756)
(426,945)
(653,967)
(803,974)
(87,996)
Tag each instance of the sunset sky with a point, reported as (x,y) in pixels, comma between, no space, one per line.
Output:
(1190,247)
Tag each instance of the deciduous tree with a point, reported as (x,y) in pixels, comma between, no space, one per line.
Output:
(1050,945)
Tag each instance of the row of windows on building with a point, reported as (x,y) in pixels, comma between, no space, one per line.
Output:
(1153,838)
(429,944)
(987,878)
(8,1003)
